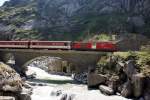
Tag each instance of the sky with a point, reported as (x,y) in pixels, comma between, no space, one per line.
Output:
(2,1)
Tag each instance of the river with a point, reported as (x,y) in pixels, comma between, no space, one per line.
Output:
(57,87)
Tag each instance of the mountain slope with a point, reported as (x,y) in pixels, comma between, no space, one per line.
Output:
(72,19)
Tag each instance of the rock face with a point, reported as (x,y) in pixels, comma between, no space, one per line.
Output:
(131,42)
(96,79)
(114,83)
(51,17)
(127,77)
(106,90)
(137,21)
(138,84)
(129,68)
(11,84)
(10,80)
(6,98)
(147,89)
(56,93)
(127,89)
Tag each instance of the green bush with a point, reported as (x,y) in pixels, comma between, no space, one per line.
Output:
(103,37)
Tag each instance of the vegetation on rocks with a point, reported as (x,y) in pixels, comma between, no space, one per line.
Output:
(142,60)
(127,73)
(107,64)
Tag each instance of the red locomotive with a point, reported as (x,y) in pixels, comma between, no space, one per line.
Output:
(81,46)
(106,46)
(63,45)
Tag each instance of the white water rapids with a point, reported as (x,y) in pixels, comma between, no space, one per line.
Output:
(41,74)
(76,91)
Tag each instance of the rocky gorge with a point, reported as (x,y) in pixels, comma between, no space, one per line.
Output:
(128,76)
(116,76)
(36,89)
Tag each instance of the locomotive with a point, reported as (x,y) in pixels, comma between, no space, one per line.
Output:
(59,45)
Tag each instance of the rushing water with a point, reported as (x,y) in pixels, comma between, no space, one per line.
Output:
(41,74)
(70,90)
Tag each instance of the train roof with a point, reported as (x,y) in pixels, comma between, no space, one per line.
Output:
(14,41)
(50,41)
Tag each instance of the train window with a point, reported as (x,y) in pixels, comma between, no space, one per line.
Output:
(66,44)
(33,43)
(15,43)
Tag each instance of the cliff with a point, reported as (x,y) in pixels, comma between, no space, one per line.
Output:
(72,19)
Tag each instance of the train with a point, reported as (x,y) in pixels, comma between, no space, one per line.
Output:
(59,45)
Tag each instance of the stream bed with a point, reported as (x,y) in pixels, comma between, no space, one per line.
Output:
(56,87)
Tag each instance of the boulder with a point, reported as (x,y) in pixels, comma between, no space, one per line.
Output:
(9,79)
(127,89)
(11,84)
(113,83)
(6,98)
(11,88)
(119,66)
(66,96)
(122,77)
(147,89)
(24,96)
(63,97)
(147,96)
(106,90)
(25,93)
(129,68)
(26,85)
(138,84)
(95,80)
(81,77)
(120,72)
(141,98)
(56,93)
(71,97)
(32,76)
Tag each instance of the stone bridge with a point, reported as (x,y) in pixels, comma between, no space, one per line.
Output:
(81,60)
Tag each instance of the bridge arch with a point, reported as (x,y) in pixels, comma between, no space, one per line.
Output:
(50,64)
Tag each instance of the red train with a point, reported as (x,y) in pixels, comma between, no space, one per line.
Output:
(62,45)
